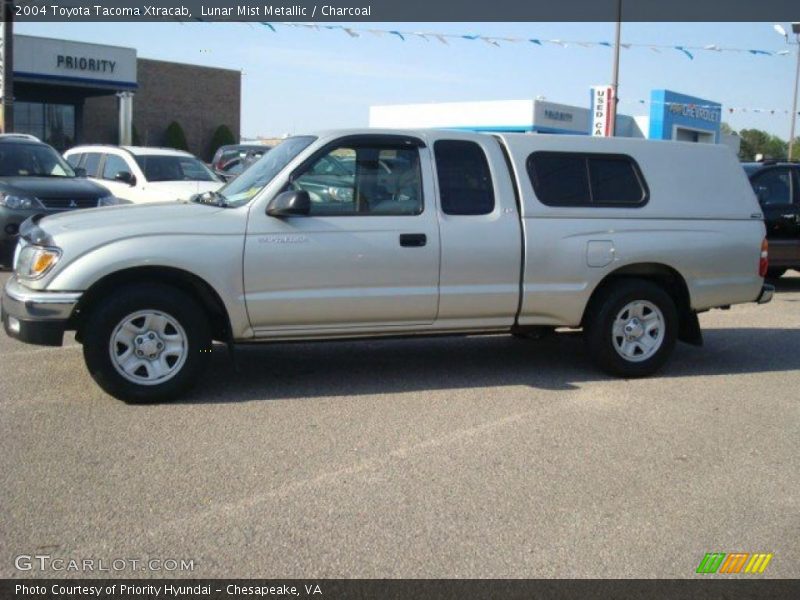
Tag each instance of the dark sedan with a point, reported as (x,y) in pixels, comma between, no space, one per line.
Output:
(35,179)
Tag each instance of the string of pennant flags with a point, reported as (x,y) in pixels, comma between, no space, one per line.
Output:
(716,107)
(689,51)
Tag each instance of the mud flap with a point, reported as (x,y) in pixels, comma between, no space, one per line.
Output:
(689,331)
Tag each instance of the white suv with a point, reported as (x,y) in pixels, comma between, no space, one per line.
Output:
(141,174)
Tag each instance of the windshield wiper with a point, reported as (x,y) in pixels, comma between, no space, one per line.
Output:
(211,199)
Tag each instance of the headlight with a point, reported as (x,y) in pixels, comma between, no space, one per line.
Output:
(108,201)
(34,261)
(19,202)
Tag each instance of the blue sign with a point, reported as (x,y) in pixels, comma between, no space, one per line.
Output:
(679,117)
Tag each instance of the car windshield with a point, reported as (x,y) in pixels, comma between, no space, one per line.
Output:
(242,189)
(160,167)
(32,160)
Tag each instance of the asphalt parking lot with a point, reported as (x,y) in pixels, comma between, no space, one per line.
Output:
(461,457)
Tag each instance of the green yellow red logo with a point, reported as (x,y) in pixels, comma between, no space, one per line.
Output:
(734,562)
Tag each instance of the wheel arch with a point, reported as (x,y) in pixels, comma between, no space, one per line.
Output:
(208,298)
(666,277)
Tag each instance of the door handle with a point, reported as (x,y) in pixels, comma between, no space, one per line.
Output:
(413,240)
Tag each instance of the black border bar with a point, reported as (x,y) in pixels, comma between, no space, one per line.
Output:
(407,10)
(409,589)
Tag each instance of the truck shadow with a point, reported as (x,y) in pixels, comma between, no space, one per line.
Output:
(333,369)
(786,284)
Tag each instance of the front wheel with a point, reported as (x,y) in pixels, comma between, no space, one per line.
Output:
(631,328)
(146,343)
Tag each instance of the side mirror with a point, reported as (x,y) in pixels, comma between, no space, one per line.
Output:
(125,177)
(79,171)
(294,203)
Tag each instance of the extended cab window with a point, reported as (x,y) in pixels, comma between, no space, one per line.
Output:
(583,179)
(773,187)
(364,180)
(465,182)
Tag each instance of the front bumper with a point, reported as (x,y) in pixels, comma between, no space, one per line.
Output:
(767,291)
(36,317)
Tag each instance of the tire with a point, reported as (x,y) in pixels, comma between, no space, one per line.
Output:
(153,320)
(776,273)
(631,328)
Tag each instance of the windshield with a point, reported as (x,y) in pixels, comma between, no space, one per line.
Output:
(239,191)
(32,160)
(157,167)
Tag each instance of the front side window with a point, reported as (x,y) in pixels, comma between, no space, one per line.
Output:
(586,179)
(465,182)
(773,187)
(74,159)
(114,165)
(363,180)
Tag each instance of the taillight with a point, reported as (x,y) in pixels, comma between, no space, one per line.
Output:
(763,262)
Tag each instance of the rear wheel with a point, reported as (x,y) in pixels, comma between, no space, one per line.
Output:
(146,343)
(631,328)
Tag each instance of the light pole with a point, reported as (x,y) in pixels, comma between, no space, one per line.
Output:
(796,32)
(615,68)
(7,67)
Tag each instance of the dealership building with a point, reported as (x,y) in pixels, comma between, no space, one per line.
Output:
(69,93)
(672,116)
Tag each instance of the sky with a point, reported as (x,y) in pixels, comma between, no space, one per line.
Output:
(297,79)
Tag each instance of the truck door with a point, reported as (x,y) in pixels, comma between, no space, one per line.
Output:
(367,255)
(777,192)
(481,234)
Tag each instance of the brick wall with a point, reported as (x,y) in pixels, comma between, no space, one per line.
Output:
(199,98)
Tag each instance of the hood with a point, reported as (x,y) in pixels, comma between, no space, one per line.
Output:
(130,219)
(138,232)
(53,187)
(180,190)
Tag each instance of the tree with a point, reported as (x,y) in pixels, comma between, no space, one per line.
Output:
(174,137)
(223,136)
(756,141)
(795,149)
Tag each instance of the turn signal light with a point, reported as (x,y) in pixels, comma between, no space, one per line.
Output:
(43,262)
(763,263)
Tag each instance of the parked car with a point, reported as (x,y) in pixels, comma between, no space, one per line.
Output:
(20,136)
(35,179)
(236,166)
(229,152)
(142,174)
(469,233)
(777,187)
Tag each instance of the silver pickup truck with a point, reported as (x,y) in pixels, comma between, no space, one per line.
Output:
(360,234)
